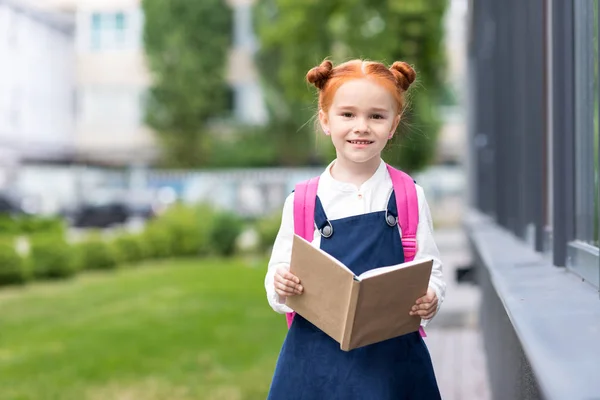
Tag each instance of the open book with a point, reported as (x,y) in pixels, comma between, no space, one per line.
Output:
(356,310)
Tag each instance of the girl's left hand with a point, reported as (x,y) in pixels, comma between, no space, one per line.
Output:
(426,306)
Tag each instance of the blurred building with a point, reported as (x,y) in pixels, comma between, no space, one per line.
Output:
(37,85)
(249,104)
(111,82)
(112,78)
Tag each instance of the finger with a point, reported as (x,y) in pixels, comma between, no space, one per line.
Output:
(423,313)
(286,282)
(291,277)
(427,306)
(283,288)
(426,299)
(428,316)
(293,286)
(427,311)
(422,306)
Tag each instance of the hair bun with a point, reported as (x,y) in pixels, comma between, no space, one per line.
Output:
(319,76)
(404,74)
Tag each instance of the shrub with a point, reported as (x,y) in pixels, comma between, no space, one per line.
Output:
(31,224)
(267,229)
(180,231)
(51,257)
(13,268)
(96,253)
(36,224)
(129,248)
(226,228)
(157,240)
(183,229)
(8,225)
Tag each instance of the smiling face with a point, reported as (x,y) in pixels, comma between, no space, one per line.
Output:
(362,118)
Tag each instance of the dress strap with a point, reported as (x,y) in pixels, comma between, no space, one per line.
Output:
(321,220)
(391,212)
(392,206)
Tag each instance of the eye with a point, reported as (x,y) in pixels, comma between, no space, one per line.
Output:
(377,116)
(347,114)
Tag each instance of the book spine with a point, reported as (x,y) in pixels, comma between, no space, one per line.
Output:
(349,320)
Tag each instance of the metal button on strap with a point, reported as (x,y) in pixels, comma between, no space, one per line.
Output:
(390,219)
(327,230)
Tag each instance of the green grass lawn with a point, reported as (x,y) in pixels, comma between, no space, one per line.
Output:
(182,329)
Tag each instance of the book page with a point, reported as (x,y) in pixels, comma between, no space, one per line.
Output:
(327,288)
(326,254)
(384,302)
(385,270)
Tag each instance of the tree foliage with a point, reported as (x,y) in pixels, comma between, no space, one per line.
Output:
(297,35)
(186,44)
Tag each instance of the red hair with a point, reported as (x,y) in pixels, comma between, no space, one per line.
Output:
(396,79)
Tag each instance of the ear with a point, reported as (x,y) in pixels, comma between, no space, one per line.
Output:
(395,125)
(324,120)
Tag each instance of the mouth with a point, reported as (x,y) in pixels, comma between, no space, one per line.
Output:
(361,142)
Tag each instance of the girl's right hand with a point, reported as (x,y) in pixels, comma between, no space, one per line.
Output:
(286,283)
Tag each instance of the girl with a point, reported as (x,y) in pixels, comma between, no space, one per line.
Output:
(360,106)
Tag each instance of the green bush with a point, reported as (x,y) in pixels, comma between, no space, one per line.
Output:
(13,268)
(8,225)
(36,224)
(96,253)
(157,240)
(51,257)
(226,229)
(129,248)
(189,229)
(180,231)
(267,229)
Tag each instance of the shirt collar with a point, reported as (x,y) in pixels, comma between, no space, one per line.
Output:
(378,177)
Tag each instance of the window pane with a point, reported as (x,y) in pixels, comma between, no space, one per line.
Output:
(96,31)
(596,127)
(96,21)
(120,27)
(586,113)
(120,21)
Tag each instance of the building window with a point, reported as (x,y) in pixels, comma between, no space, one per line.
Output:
(583,251)
(586,117)
(111,31)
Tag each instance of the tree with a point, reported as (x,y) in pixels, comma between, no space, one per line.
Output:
(186,44)
(297,35)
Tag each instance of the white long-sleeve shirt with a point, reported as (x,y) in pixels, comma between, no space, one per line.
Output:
(342,200)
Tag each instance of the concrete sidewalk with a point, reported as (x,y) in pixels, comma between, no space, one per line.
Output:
(461,303)
(454,340)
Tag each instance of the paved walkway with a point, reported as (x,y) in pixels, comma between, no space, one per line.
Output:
(454,339)
(459,363)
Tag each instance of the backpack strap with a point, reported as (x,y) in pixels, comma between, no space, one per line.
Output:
(407,204)
(305,195)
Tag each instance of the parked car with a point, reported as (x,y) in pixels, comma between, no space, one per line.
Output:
(105,208)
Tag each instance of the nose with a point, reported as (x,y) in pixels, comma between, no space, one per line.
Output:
(361,126)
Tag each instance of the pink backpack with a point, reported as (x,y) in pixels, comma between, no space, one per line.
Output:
(407,203)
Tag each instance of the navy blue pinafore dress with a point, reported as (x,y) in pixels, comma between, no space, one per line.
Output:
(311,365)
